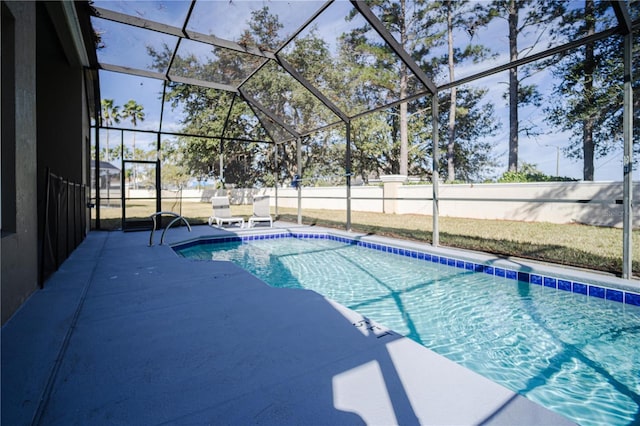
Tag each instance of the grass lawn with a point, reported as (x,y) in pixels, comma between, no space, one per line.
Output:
(590,247)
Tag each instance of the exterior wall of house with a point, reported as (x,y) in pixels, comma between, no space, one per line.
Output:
(19,252)
(61,104)
(51,131)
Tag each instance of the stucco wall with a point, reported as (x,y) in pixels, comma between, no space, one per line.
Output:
(594,203)
(19,250)
(51,131)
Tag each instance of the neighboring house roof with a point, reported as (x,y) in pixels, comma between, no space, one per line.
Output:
(105,165)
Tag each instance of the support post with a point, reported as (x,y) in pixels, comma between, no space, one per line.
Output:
(96,171)
(434,173)
(299,172)
(627,215)
(348,174)
(221,162)
(159,176)
(276,174)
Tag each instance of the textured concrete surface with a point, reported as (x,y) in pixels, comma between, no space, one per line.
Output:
(124,333)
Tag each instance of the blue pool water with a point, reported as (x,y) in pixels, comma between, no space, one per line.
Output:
(574,354)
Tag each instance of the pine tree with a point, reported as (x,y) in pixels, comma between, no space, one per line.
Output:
(588,99)
(522,16)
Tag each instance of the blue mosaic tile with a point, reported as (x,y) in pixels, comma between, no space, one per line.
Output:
(579,288)
(615,295)
(435,259)
(420,256)
(460,264)
(427,256)
(596,291)
(451,262)
(564,285)
(550,282)
(477,267)
(443,260)
(523,276)
(499,272)
(468,266)
(402,252)
(488,269)
(414,254)
(535,279)
(632,299)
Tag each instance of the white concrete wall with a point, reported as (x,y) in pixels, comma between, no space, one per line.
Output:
(596,206)
(527,202)
(493,200)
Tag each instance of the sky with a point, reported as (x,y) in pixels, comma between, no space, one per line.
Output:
(220,18)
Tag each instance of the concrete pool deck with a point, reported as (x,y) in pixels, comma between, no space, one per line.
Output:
(124,333)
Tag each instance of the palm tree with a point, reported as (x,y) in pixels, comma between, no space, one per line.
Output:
(110,115)
(135,112)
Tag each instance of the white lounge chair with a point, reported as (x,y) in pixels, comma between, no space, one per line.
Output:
(222,213)
(261,211)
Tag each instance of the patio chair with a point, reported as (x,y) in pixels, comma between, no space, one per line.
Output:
(222,213)
(261,211)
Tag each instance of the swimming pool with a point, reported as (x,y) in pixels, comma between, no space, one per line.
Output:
(576,352)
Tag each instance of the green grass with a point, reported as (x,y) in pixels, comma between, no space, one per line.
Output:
(590,247)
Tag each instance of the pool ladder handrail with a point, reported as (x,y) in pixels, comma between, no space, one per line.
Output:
(177,218)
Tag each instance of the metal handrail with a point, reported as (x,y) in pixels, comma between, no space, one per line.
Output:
(177,218)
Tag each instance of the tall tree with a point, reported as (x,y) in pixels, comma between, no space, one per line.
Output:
(475,121)
(134,112)
(589,92)
(206,109)
(522,16)
(458,15)
(413,23)
(110,114)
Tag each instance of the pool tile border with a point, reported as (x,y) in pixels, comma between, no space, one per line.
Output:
(590,290)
